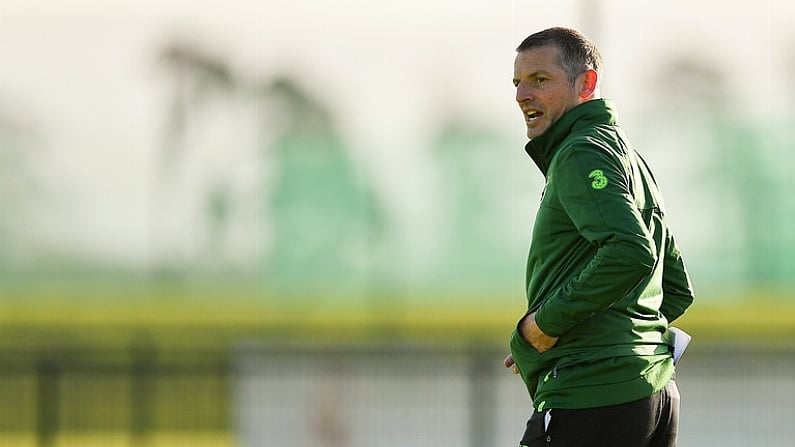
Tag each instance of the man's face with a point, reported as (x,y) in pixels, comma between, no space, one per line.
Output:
(543,90)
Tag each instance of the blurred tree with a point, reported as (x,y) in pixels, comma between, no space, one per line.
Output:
(475,247)
(739,166)
(199,77)
(325,217)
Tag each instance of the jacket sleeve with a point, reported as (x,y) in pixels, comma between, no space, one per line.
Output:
(677,288)
(595,192)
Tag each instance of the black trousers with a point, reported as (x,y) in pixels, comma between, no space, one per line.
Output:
(649,422)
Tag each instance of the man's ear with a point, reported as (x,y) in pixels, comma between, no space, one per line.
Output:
(589,82)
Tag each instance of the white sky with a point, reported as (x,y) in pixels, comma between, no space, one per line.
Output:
(83,73)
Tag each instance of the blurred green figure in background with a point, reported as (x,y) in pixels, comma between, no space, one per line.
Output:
(323,217)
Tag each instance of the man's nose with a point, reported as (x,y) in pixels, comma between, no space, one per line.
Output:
(522,92)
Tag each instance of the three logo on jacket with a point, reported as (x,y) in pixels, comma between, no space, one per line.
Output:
(599,179)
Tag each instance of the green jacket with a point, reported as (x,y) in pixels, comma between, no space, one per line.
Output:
(603,273)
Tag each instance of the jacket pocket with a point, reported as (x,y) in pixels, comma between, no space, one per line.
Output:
(530,363)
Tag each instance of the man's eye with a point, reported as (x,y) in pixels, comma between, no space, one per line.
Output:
(541,81)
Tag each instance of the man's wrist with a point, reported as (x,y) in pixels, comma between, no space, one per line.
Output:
(522,325)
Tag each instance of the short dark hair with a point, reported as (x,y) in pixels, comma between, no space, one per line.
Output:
(577,52)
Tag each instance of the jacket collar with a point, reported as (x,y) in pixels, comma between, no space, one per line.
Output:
(596,111)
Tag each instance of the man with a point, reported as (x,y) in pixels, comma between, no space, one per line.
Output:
(604,274)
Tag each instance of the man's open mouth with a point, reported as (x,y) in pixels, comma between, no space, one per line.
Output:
(533,115)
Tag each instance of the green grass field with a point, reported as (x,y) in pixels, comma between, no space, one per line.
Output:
(216,317)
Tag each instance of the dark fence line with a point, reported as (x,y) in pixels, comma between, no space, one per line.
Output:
(140,392)
(355,395)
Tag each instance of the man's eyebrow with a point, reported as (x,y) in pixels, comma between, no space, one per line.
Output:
(536,74)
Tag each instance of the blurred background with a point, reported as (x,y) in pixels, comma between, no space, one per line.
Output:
(304,223)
